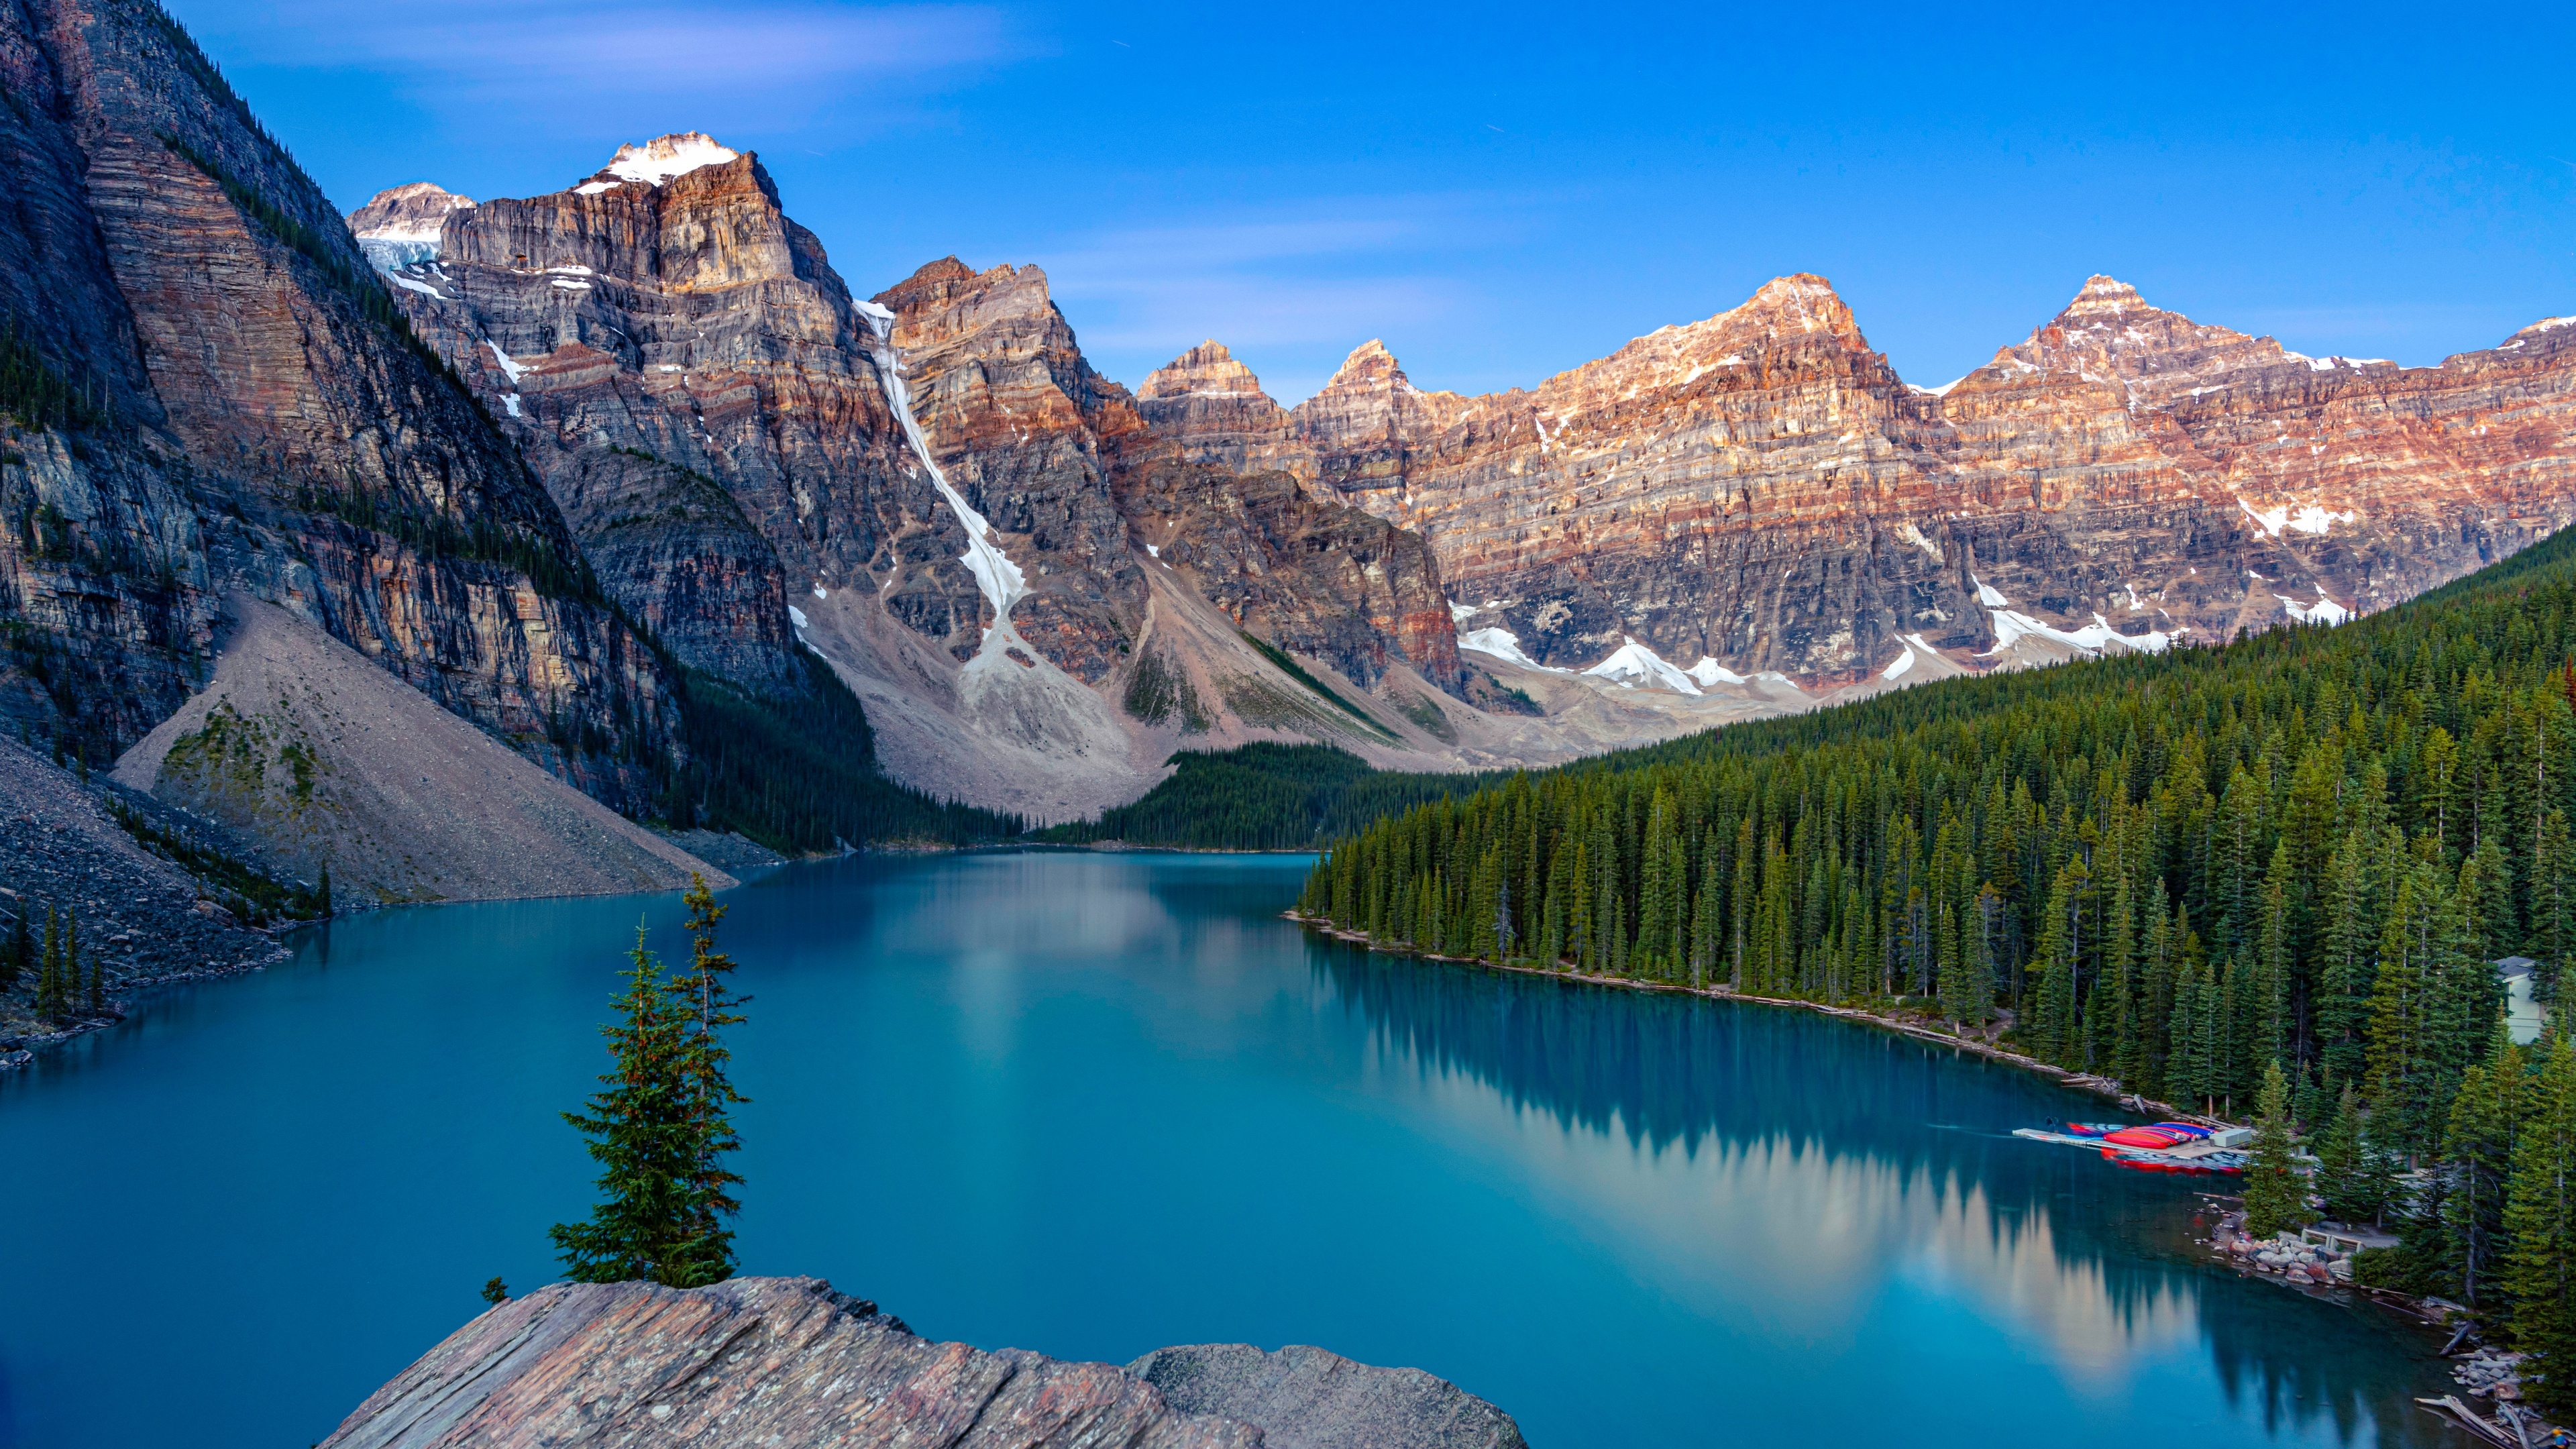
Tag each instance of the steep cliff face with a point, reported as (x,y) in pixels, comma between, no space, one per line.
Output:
(1213,409)
(247,413)
(929,489)
(1760,491)
(1016,421)
(686,374)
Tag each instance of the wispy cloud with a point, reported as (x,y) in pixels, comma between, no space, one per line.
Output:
(768,62)
(1290,294)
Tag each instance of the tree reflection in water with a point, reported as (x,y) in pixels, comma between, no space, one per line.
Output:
(1812,1151)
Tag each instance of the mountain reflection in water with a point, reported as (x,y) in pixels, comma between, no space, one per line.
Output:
(1815,1152)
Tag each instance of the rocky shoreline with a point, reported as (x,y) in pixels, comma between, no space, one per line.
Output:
(145,920)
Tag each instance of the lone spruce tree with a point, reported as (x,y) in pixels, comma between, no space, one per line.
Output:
(709,1000)
(639,1134)
(2276,1196)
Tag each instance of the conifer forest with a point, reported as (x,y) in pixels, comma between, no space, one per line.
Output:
(2302,850)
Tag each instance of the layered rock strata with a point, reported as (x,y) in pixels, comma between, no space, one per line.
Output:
(787,1362)
(1761,491)
(931,490)
(242,410)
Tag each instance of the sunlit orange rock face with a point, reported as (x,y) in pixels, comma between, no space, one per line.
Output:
(1761,488)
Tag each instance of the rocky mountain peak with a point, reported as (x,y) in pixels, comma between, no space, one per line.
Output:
(2104,295)
(1785,311)
(2110,336)
(1207,371)
(400,225)
(1799,303)
(411,212)
(654,162)
(1369,363)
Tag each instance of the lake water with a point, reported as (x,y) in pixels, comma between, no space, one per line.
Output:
(1092,1104)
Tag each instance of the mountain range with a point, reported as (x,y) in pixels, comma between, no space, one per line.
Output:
(627,479)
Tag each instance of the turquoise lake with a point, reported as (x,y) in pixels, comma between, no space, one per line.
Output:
(1093,1104)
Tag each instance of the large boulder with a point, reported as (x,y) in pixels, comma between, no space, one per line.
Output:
(787,1363)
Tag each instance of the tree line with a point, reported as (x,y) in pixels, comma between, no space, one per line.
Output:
(1262,796)
(2301,851)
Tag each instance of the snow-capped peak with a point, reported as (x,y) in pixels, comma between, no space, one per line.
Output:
(658,160)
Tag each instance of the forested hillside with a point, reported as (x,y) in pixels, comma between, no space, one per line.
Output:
(1263,797)
(2303,848)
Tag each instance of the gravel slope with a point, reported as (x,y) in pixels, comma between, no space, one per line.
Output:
(317,757)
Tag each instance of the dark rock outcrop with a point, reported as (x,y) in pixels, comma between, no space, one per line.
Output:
(143,920)
(249,415)
(787,1362)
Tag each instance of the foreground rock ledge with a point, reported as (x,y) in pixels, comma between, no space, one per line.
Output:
(787,1362)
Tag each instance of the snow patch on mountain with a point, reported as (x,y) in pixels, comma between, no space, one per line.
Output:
(512,368)
(1709,672)
(664,157)
(1632,664)
(999,578)
(2011,626)
(1502,644)
(2324,611)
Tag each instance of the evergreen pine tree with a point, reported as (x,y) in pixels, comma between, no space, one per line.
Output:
(2276,1195)
(640,1133)
(2540,1214)
(2344,976)
(49,968)
(2343,1176)
(2553,902)
(20,953)
(2270,1021)
(708,994)
(2186,1077)
(2053,1020)
(2477,1164)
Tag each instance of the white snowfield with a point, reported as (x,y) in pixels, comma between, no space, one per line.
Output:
(1503,644)
(508,366)
(2011,626)
(664,157)
(1632,664)
(1709,672)
(1001,580)
(1988,595)
(2309,518)
(2324,611)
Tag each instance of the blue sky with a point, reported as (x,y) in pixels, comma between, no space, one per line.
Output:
(1503,192)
